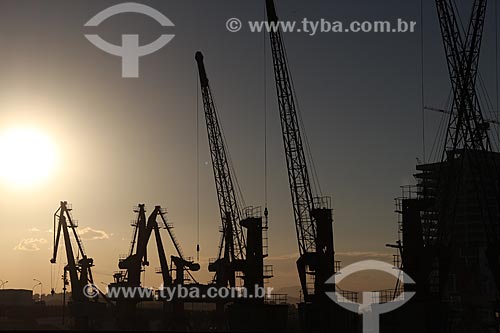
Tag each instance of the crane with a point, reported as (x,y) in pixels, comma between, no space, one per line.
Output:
(312,215)
(137,257)
(181,263)
(467,141)
(79,270)
(79,267)
(231,255)
(136,260)
(243,244)
(462,54)
(461,192)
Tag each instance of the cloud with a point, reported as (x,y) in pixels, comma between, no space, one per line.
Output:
(367,254)
(34,229)
(350,257)
(346,255)
(289,256)
(88,233)
(30,244)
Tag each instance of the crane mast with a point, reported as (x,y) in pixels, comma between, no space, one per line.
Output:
(134,262)
(466,127)
(79,270)
(232,245)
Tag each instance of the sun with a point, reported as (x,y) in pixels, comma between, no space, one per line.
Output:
(27,156)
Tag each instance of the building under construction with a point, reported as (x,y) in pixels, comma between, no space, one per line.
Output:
(457,280)
(450,221)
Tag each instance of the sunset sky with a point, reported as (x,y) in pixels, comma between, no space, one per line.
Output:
(118,142)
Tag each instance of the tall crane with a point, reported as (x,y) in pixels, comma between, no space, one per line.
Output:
(232,245)
(78,267)
(313,215)
(467,143)
(454,252)
(243,244)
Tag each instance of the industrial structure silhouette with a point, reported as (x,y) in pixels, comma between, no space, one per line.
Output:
(448,242)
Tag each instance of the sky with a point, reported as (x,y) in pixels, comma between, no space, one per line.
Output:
(123,141)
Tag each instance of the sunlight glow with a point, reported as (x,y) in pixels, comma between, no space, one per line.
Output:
(27,157)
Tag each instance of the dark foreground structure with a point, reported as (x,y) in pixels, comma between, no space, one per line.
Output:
(456,285)
(450,226)
(449,232)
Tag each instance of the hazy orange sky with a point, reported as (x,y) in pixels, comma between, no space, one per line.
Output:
(127,141)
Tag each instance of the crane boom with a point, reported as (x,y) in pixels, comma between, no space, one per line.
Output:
(312,215)
(170,231)
(232,240)
(431,108)
(298,175)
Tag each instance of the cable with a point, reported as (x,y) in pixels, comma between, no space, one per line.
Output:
(312,173)
(441,131)
(240,200)
(265,119)
(57,272)
(197,169)
(422,76)
(305,141)
(484,98)
(496,73)
(264,59)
